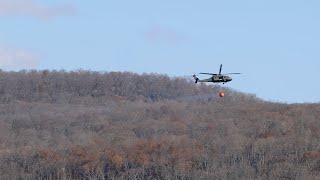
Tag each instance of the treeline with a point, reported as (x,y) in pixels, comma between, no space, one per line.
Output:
(62,86)
(78,86)
(96,127)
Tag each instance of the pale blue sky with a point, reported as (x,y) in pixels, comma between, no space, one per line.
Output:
(275,44)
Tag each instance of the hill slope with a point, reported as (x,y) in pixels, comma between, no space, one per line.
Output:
(89,125)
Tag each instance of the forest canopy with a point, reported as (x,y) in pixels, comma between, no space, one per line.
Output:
(123,125)
(67,87)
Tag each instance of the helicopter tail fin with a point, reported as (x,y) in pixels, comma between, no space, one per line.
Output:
(195,78)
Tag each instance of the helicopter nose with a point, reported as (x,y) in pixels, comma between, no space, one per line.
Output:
(229,78)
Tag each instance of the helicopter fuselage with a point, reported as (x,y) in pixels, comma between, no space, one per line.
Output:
(217,79)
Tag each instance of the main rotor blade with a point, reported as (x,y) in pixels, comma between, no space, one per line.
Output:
(231,73)
(220,68)
(208,73)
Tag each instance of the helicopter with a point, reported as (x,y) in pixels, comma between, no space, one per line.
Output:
(215,78)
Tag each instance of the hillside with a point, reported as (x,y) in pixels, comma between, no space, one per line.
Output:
(121,125)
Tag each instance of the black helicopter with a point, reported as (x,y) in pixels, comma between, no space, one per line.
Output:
(215,78)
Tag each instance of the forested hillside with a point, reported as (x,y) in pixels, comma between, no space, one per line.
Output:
(121,125)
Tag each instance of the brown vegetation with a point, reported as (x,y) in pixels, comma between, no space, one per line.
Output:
(90,125)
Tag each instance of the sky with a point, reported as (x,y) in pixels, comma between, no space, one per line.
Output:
(274,44)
